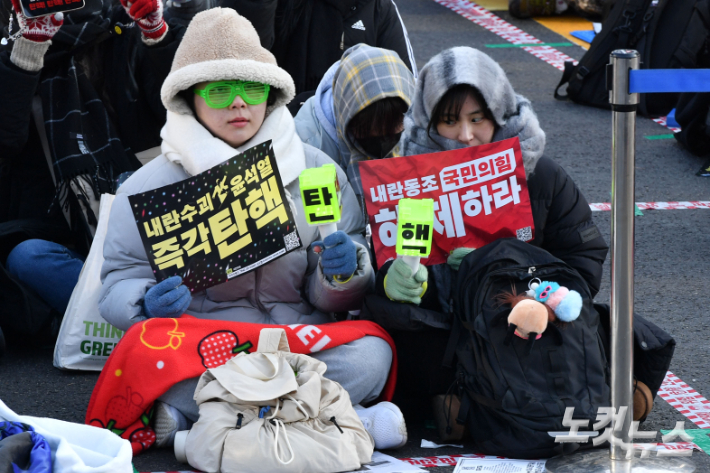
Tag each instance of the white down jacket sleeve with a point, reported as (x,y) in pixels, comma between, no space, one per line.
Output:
(126,274)
(324,293)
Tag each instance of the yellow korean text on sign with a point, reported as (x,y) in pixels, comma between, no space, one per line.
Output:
(320,191)
(415,224)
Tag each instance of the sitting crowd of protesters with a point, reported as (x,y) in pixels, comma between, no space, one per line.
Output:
(70,128)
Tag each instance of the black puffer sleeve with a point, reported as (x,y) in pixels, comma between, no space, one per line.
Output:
(563,222)
(155,63)
(391,32)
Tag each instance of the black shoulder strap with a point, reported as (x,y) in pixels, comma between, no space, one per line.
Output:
(566,76)
(453,342)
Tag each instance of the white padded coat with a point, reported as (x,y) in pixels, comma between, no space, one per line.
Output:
(289,290)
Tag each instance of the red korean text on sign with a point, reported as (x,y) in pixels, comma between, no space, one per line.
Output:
(480,195)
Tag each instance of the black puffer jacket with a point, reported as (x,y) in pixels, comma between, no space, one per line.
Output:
(563,220)
(563,226)
(312,34)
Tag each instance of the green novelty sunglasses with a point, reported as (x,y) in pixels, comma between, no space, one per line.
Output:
(221,94)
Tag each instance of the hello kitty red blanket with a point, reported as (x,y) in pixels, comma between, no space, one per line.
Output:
(155,354)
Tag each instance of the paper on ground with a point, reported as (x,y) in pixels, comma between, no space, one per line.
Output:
(466,465)
(430,444)
(382,463)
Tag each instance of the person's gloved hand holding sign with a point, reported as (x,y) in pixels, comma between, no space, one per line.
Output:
(406,279)
(148,15)
(28,51)
(167,299)
(338,256)
(320,191)
(39,29)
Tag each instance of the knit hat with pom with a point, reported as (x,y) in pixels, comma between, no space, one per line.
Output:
(219,44)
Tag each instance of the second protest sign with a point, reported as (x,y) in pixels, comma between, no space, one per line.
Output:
(480,195)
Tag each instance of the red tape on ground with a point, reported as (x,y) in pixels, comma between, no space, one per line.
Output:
(505,30)
(686,400)
(682,205)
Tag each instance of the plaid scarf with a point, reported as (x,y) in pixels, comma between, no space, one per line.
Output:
(365,75)
(82,140)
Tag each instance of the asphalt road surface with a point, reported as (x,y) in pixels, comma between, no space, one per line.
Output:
(672,277)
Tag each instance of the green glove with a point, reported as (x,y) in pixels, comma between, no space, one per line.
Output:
(402,286)
(456,256)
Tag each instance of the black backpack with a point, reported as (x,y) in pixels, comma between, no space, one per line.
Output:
(510,400)
(668,34)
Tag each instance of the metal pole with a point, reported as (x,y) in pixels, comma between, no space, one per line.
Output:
(623,105)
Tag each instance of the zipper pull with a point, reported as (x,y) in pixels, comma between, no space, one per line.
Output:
(240,416)
(531,269)
(332,419)
(342,41)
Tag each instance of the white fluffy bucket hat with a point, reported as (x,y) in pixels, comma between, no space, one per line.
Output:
(219,44)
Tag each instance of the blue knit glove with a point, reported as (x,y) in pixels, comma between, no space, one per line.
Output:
(338,255)
(167,299)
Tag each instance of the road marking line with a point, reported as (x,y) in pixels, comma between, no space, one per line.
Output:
(494,4)
(508,45)
(669,136)
(505,30)
(684,205)
(565,25)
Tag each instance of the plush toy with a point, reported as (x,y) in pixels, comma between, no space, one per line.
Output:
(545,303)
(566,304)
(528,318)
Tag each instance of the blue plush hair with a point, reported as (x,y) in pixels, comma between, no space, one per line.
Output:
(570,307)
(545,290)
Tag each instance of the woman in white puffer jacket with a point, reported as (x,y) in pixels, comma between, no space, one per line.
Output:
(298,288)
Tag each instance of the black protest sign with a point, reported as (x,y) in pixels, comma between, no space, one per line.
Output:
(219,224)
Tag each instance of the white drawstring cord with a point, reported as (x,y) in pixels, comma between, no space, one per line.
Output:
(300,407)
(279,424)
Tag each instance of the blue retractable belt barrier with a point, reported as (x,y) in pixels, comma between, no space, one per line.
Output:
(669,80)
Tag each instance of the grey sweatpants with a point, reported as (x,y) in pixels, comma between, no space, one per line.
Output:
(361,367)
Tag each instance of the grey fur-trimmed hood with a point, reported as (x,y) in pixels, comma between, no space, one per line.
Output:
(513,113)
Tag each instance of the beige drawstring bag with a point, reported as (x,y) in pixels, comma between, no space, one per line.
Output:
(307,422)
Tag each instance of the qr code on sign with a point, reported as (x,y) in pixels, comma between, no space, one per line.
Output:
(524,234)
(291,240)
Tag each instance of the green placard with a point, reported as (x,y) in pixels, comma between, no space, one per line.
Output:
(415,227)
(320,191)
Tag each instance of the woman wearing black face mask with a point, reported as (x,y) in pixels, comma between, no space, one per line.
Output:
(376,128)
(358,110)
